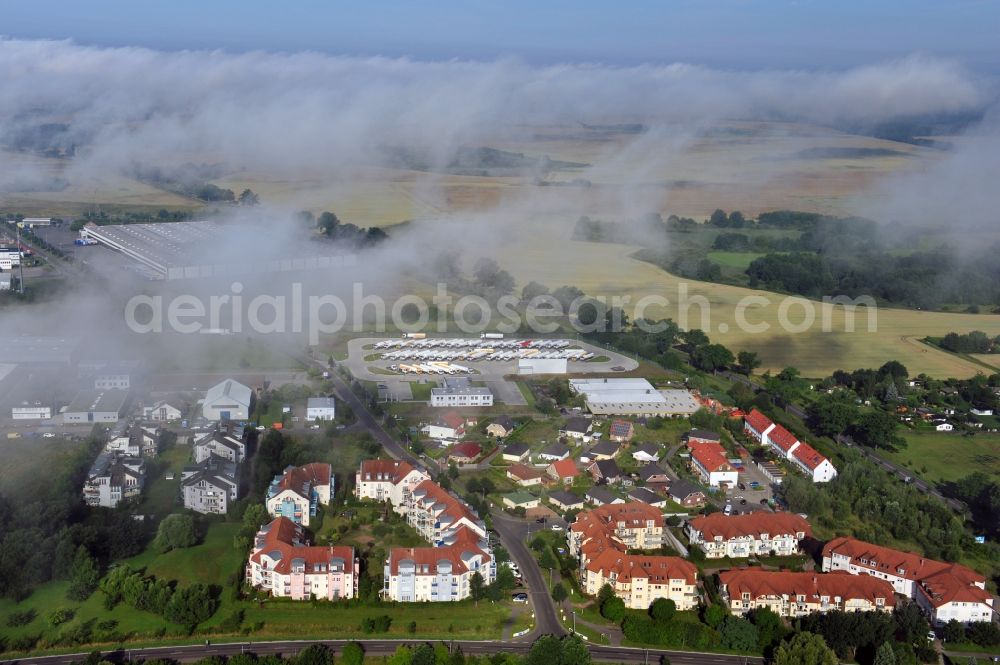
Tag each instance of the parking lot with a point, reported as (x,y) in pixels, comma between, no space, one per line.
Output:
(749,473)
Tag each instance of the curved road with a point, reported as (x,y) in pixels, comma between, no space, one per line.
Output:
(386,647)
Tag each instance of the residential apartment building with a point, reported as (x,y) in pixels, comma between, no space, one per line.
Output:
(298,492)
(945,591)
(633,525)
(751,534)
(219,444)
(283,564)
(800,454)
(210,487)
(436,514)
(794,594)
(639,579)
(388,480)
(602,538)
(113,478)
(438,574)
(132,440)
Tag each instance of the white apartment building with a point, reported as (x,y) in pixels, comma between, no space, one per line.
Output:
(794,594)
(945,591)
(298,492)
(751,534)
(387,480)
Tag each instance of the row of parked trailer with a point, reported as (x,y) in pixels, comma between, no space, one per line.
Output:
(483,354)
(430,368)
(467,343)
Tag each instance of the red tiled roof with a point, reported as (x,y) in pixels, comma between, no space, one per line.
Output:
(453,420)
(429,492)
(283,540)
(565,468)
(656,569)
(750,524)
(468,450)
(431,556)
(384,469)
(941,582)
(524,472)
(762,583)
(757,420)
(710,455)
(300,479)
(597,527)
(808,455)
(782,438)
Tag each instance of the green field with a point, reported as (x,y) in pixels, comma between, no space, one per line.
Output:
(948,456)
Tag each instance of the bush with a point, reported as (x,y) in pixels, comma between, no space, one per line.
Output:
(613,609)
(175,532)
(60,616)
(22,618)
(379,624)
(662,609)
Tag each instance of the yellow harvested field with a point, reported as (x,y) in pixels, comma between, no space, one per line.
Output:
(610,270)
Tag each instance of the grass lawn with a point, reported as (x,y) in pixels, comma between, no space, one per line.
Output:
(421,391)
(211,562)
(948,456)
(433,620)
(162,496)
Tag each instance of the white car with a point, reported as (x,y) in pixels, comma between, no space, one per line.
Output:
(557,527)
(49,435)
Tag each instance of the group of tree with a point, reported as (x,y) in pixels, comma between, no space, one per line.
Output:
(329,227)
(973,342)
(49,533)
(883,508)
(187,606)
(859,636)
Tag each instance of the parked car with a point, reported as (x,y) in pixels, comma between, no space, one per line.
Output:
(557,527)
(520,597)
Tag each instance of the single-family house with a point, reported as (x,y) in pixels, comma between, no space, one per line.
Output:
(653,474)
(564,471)
(621,431)
(465,453)
(647,453)
(565,501)
(604,450)
(605,471)
(449,427)
(162,411)
(600,496)
(578,428)
(524,475)
(645,495)
(942,425)
(524,500)
(701,436)
(686,494)
(553,452)
(501,427)
(516,452)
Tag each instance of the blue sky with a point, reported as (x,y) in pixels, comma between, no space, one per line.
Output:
(728,33)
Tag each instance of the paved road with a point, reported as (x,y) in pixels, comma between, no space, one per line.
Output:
(512,532)
(386,647)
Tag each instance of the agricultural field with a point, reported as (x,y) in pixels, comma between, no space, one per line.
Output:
(947,456)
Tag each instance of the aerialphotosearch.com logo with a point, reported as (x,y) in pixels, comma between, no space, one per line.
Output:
(326,314)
